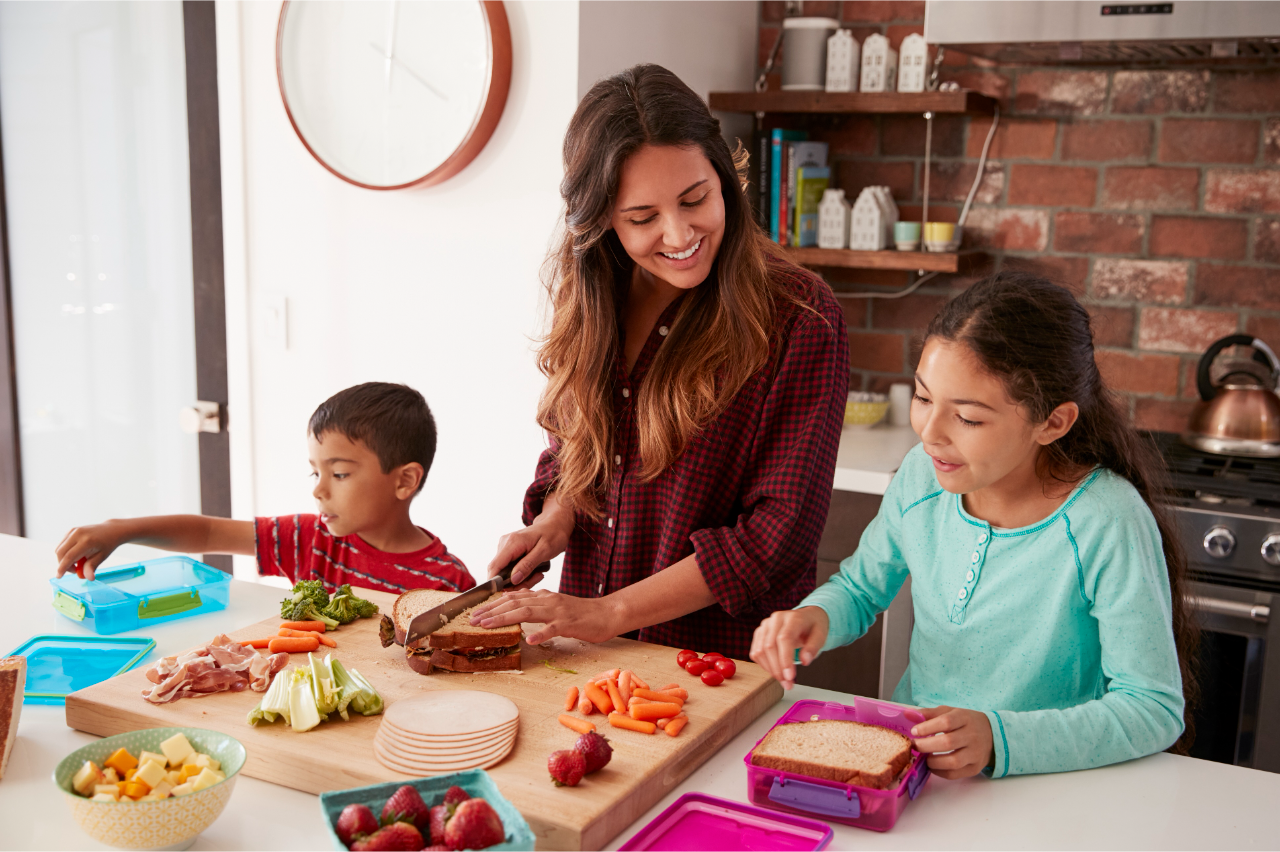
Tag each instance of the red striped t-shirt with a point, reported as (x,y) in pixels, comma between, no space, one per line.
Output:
(300,547)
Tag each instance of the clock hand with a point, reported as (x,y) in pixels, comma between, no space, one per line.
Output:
(415,75)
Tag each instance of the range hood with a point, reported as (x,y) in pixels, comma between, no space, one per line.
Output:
(1064,31)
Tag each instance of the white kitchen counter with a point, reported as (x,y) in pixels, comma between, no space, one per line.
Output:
(1160,802)
(869,456)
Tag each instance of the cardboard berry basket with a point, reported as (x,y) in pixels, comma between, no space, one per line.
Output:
(847,804)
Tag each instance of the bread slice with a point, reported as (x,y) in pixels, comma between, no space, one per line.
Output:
(461,633)
(845,752)
(13,679)
(457,646)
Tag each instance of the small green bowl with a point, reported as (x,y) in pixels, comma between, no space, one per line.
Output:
(864,413)
(171,823)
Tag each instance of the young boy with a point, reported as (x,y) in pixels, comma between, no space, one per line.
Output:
(370,448)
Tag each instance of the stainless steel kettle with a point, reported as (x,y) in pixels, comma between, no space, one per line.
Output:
(1239,411)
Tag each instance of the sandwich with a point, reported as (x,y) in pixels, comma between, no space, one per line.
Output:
(457,646)
(844,752)
(13,676)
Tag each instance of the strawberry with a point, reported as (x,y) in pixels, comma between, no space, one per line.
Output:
(397,837)
(439,816)
(455,796)
(595,750)
(566,767)
(405,805)
(475,825)
(355,822)
(435,847)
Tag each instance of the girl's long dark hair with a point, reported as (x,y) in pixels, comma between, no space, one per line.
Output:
(1037,339)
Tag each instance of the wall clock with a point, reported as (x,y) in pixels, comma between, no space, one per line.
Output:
(388,94)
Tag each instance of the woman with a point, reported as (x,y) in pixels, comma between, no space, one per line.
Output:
(695,391)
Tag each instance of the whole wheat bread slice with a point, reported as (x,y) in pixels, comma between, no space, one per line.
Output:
(458,633)
(845,752)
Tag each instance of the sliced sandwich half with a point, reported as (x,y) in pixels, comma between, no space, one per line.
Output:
(457,646)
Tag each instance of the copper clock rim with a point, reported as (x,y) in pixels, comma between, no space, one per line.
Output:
(494,100)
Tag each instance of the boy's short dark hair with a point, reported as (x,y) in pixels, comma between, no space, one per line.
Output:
(391,420)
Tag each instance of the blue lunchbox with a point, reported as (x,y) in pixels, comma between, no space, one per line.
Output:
(143,594)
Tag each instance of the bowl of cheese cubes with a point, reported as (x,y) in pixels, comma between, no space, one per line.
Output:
(152,789)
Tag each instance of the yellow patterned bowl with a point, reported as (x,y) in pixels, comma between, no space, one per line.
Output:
(864,413)
(171,823)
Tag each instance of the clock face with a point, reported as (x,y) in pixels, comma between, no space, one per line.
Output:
(393,93)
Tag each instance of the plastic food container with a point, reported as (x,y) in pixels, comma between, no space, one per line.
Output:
(696,821)
(143,594)
(475,781)
(847,804)
(59,665)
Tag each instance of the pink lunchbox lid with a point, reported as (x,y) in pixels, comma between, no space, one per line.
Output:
(696,821)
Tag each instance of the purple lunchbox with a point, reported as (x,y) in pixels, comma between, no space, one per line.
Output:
(696,821)
(848,804)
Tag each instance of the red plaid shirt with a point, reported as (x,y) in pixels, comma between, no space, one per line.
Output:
(300,547)
(749,495)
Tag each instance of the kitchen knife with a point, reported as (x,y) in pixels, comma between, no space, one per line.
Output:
(426,623)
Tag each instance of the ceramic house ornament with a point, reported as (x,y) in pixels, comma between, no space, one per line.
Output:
(866,222)
(842,62)
(879,65)
(833,219)
(884,197)
(913,64)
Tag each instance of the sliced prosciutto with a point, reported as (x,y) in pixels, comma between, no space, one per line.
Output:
(221,666)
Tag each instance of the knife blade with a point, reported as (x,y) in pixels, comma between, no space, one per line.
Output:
(428,622)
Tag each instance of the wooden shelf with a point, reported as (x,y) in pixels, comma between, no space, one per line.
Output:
(911,261)
(844,102)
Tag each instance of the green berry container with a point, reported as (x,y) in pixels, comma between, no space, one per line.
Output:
(475,781)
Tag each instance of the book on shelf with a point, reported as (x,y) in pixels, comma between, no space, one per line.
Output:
(798,155)
(777,139)
(811,182)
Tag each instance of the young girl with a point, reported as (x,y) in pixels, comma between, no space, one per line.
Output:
(1046,581)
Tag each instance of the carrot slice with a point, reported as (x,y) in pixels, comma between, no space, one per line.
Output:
(582,726)
(676,725)
(303,634)
(599,698)
(620,721)
(293,644)
(615,696)
(570,698)
(317,626)
(659,696)
(649,712)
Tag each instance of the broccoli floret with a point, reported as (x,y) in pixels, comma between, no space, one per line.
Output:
(307,591)
(346,607)
(306,610)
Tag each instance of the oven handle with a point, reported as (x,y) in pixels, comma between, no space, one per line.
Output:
(1218,606)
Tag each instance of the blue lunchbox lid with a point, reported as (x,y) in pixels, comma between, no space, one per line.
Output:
(59,665)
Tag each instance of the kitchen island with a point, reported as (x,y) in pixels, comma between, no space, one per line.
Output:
(1161,801)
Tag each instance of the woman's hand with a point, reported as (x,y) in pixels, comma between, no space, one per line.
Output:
(92,543)
(778,636)
(964,736)
(588,619)
(543,540)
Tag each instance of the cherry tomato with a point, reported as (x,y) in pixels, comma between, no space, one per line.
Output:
(696,666)
(79,566)
(684,657)
(711,677)
(714,655)
(726,667)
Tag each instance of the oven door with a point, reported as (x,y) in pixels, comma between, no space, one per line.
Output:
(1238,720)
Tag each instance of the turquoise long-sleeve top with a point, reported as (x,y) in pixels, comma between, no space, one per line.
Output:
(1061,632)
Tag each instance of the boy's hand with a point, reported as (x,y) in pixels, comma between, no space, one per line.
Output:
(778,636)
(92,543)
(543,540)
(964,736)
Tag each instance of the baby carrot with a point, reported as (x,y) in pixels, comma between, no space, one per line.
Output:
(636,681)
(662,723)
(659,696)
(293,644)
(570,698)
(582,726)
(636,699)
(668,686)
(303,634)
(678,692)
(599,698)
(620,721)
(649,712)
(605,675)
(615,696)
(585,707)
(677,724)
(257,643)
(317,626)
(624,686)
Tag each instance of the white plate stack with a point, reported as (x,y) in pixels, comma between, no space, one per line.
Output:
(446,731)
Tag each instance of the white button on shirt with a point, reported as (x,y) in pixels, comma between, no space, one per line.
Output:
(610,523)
(968,578)
(964,593)
(982,539)
(975,558)
(626,392)
(663,330)
(617,459)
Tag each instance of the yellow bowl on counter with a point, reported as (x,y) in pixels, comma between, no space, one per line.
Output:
(172,823)
(864,413)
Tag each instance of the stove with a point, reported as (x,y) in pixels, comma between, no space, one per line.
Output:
(1228,509)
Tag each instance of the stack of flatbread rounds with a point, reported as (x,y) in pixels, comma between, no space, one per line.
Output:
(446,731)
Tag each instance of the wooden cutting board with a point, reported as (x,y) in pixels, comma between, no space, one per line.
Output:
(338,755)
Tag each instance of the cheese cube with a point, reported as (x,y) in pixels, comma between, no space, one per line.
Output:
(207,778)
(149,798)
(103,797)
(136,790)
(120,785)
(86,778)
(121,760)
(110,776)
(204,760)
(182,790)
(188,772)
(162,790)
(174,777)
(107,789)
(144,756)
(129,773)
(151,774)
(176,748)
(190,760)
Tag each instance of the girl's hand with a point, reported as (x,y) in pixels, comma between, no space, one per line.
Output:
(587,619)
(543,540)
(778,636)
(964,736)
(92,543)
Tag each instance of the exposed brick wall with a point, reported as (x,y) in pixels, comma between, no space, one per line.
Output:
(1153,193)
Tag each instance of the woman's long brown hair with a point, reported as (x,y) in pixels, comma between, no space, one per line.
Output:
(1036,338)
(722,330)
